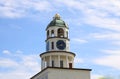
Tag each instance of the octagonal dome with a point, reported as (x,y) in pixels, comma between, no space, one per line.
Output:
(57,22)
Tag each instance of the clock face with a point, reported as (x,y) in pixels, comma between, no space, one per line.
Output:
(61,44)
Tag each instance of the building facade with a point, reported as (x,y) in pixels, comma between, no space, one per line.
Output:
(58,62)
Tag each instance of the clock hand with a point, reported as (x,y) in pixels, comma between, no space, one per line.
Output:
(61,44)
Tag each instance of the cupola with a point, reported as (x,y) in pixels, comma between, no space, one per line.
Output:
(57,22)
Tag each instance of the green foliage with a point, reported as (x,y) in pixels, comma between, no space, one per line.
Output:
(106,78)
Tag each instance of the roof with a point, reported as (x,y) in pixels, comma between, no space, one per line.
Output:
(57,22)
(60,68)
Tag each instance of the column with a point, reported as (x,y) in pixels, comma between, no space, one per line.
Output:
(72,62)
(67,61)
(50,62)
(55,31)
(43,62)
(58,60)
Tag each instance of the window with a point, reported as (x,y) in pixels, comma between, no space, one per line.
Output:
(52,63)
(70,65)
(47,46)
(47,33)
(52,45)
(60,32)
(67,34)
(52,33)
(61,63)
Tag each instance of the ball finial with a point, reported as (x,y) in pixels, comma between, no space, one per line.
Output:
(57,16)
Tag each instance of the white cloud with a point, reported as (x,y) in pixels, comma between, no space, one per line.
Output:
(78,40)
(31,61)
(99,13)
(5,62)
(72,4)
(18,8)
(117,43)
(112,37)
(10,8)
(103,22)
(19,52)
(21,66)
(78,60)
(41,5)
(6,52)
(103,14)
(108,36)
(110,60)
(113,52)
(16,75)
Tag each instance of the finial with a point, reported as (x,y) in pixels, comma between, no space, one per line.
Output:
(57,16)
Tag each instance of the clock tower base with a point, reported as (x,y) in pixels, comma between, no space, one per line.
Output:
(63,73)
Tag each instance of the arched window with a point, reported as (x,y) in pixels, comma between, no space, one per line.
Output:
(47,33)
(52,45)
(52,33)
(47,46)
(60,32)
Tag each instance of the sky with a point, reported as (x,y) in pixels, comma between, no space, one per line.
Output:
(94,29)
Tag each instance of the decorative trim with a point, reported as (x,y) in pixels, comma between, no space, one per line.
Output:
(57,51)
(70,68)
(56,26)
(57,37)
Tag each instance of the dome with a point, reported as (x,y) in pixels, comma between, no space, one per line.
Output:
(57,22)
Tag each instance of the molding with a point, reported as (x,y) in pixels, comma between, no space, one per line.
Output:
(57,37)
(57,51)
(70,68)
(56,26)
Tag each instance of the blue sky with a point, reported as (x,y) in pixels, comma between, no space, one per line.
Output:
(94,27)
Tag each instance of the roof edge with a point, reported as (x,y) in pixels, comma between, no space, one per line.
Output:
(60,68)
(57,51)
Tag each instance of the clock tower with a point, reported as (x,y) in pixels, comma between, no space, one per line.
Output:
(57,45)
(57,62)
